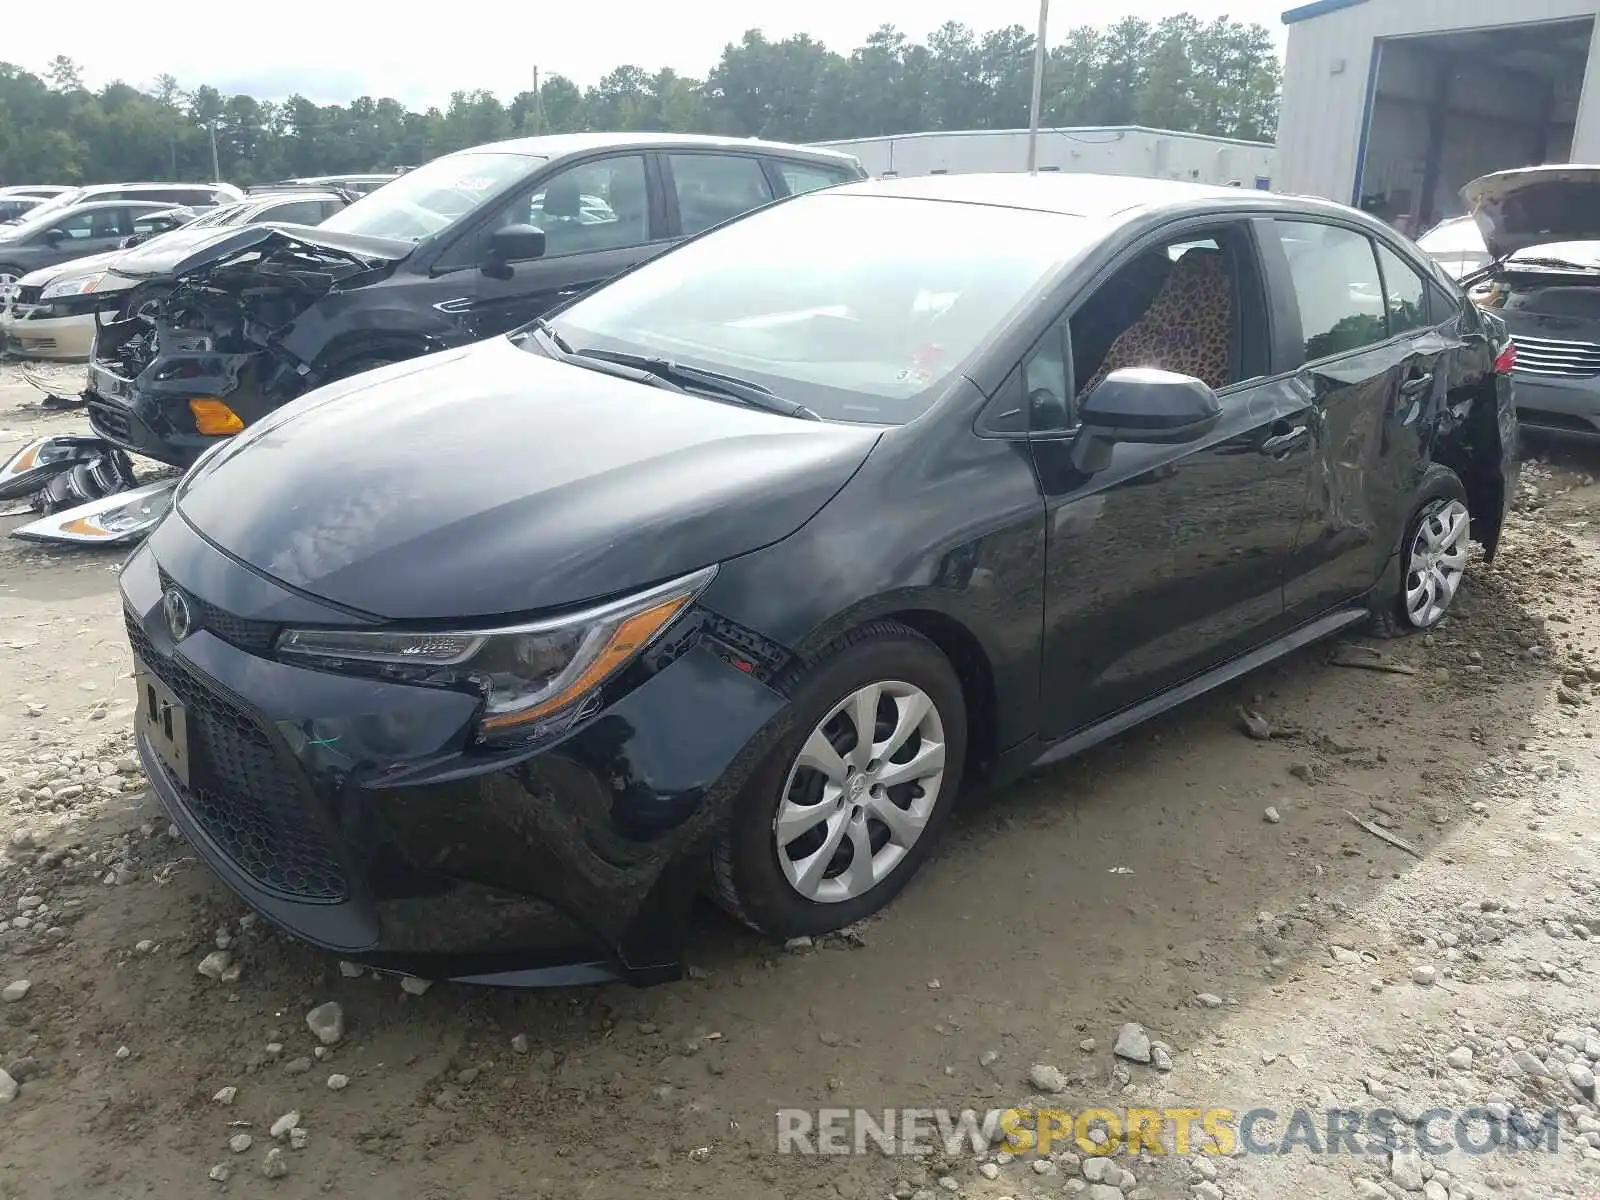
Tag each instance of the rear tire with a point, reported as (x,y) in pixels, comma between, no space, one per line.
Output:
(829,829)
(1433,554)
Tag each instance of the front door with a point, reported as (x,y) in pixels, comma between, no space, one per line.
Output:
(1170,561)
(598,219)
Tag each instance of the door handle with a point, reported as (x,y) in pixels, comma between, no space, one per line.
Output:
(1286,440)
(1420,383)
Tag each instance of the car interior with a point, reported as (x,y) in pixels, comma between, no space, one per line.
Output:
(1193,307)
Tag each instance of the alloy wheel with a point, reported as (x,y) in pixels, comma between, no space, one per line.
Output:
(8,288)
(860,792)
(1436,562)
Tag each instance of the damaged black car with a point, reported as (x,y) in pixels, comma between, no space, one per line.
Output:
(222,331)
(733,574)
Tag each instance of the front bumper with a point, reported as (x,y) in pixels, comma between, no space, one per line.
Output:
(1559,406)
(149,414)
(357,815)
(27,334)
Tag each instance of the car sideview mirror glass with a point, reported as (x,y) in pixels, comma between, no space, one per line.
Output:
(1146,406)
(512,244)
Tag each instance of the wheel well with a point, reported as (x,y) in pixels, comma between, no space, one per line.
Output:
(956,643)
(1474,453)
(362,345)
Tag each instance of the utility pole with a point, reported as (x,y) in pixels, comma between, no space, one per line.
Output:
(1038,88)
(216,171)
(538,104)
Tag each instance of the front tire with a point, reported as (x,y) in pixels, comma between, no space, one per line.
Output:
(844,810)
(1434,554)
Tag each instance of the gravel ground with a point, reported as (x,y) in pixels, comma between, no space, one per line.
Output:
(1195,894)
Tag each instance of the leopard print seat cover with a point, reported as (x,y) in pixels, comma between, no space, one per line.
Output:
(1187,327)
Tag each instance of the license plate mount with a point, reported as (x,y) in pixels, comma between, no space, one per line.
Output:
(162,718)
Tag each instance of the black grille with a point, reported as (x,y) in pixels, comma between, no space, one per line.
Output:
(255,636)
(1551,356)
(109,420)
(240,792)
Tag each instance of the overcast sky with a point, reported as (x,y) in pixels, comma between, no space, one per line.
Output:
(342,50)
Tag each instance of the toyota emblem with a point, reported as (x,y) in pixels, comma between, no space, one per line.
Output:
(176,609)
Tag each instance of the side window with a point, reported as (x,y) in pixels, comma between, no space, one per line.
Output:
(600,205)
(1405,293)
(804,177)
(153,222)
(1336,283)
(1047,383)
(1191,306)
(327,209)
(1442,305)
(713,188)
(300,212)
(82,226)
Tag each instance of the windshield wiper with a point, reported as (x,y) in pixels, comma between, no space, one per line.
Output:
(554,345)
(1558,263)
(745,391)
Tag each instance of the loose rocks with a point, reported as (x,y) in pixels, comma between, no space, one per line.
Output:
(1132,1043)
(326,1021)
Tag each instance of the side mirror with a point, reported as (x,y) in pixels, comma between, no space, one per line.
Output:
(128,243)
(511,244)
(54,236)
(1142,406)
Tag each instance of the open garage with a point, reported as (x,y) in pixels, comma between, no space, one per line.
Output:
(1392,105)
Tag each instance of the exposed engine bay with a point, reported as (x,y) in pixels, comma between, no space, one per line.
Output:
(237,307)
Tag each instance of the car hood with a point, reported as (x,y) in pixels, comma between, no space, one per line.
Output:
(1535,206)
(491,481)
(186,252)
(45,276)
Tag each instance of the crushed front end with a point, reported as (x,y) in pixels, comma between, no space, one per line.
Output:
(194,358)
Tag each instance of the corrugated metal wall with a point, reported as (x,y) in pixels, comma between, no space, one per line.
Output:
(1329,64)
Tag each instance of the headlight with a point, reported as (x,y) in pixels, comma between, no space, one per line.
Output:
(73,285)
(532,677)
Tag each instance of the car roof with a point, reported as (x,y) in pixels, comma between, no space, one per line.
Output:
(558,145)
(96,205)
(1099,197)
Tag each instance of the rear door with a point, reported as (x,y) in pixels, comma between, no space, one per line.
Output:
(1374,368)
(704,189)
(599,218)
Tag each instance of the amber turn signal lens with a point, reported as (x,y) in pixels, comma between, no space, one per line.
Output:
(214,418)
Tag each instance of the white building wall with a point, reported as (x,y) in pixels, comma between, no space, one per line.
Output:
(1330,59)
(1126,150)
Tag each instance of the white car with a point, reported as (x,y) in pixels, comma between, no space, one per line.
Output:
(1456,244)
(52,314)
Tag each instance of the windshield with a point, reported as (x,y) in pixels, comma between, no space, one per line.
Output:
(858,307)
(32,222)
(223,214)
(422,202)
(59,201)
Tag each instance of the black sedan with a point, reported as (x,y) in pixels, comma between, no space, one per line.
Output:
(729,576)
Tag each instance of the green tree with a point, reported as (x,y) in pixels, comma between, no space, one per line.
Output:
(1219,76)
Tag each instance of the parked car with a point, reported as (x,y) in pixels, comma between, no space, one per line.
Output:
(196,196)
(44,190)
(1541,230)
(52,312)
(471,245)
(1456,244)
(60,235)
(360,184)
(14,208)
(734,572)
